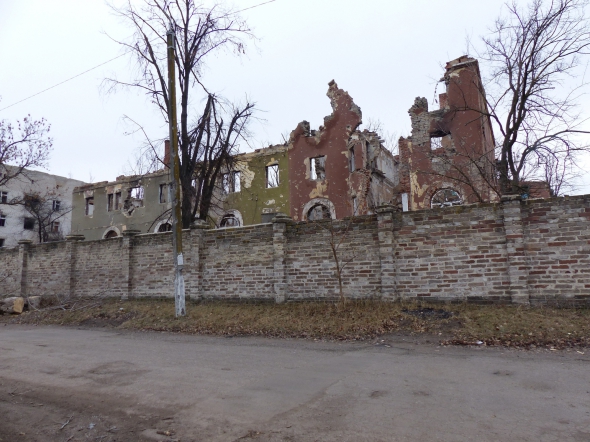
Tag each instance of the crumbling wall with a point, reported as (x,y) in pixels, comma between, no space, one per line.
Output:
(451,147)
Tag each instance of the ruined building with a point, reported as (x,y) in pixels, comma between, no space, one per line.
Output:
(333,171)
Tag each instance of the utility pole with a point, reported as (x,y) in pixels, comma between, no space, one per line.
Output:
(179,301)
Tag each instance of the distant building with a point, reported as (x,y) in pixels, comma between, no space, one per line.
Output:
(33,198)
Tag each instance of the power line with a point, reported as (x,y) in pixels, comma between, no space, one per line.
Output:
(255,6)
(65,81)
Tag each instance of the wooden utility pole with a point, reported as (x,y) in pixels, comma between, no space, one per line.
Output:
(179,300)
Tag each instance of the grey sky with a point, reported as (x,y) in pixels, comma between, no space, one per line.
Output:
(384,53)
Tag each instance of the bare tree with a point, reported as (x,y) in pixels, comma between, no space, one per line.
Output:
(23,145)
(531,52)
(209,137)
(46,212)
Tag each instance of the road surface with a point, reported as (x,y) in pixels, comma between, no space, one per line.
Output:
(67,384)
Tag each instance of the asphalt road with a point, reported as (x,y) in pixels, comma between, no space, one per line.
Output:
(67,384)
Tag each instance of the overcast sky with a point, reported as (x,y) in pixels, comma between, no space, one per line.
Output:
(383,52)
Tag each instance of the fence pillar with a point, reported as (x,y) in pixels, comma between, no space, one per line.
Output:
(279,243)
(517,265)
(72,250)
(127,263)
(23,257)
(385,216)
(194,278)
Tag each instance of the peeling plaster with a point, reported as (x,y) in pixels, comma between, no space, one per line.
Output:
(246,175)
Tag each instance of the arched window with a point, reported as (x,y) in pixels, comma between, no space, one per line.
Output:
(165,227)
(317,212)
(111,234)
(229,220)
(446,198)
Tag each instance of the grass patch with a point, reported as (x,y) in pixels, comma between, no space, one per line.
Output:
(518,326)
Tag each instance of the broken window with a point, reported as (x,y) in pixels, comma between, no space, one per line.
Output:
(318,168)
(32,202)
(440,140)
(55,227)
(229,220)
(317,212)
(136,193)
(117,200)
(2,220)
(89,206)
(351,159)
(4,197)
(230,182)
(164,197)
(56,205)
(446,198)
(225,183)
(165,227)
(110,200)
(236,181)
(1,242)
(272,176)
(29,224)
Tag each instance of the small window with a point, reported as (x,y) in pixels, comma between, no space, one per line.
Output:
(230,182)
(446,198)
(117,200)
(136,193)
(29,224)
(225,183)
(111,234)
(110,201)
(55,227)
(56,205)
(236,181)
(165,227)
(4,197)
(32,202)
(1,242)
(351,159)
(229,221)
(317,212)
(355,205)
(2,220)
(272,176)
(89,206)
(318,168)
(163,193)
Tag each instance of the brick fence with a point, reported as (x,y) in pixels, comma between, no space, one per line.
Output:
(532,251)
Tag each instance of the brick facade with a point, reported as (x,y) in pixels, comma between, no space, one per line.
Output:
(535,251)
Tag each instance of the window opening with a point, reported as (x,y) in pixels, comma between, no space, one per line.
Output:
(236,181)
(272,176)
(317,212)
(2,220)
(136,193)
(89,206)
(29,224)
(4,197)
(446,198)
(56,205)
(351,159)
(110,200)
(355,206)
(229,221)
(55,227)
(117,200)
(32,202)
(163,193)
(1,242)
(111,234)
(318,168)
(165,227)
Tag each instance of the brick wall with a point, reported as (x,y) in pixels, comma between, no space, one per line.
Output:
(535,251)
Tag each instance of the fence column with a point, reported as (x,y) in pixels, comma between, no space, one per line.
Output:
(194,277)
(23,257)
(72,250)
(279,243)
(385,232)
(517,265)
(127,288)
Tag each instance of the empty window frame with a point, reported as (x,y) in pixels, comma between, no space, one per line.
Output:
(110,202)
(32,202)
(317,212)
(1,242)
(231,182)
(117,200)
(165,227)
(164,196)
(446,198)
(318,168)
(235,180)
(56,205)
(355,206)
(2,220)
(89,206)
(229,221)
(4,197)
(55,227)
(272,176)
(29,224)
(136,193)
(351,159)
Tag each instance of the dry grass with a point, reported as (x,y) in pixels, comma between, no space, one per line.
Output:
(356,320)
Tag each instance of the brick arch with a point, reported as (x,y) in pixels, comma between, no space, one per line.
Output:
(323,201)
(108,233)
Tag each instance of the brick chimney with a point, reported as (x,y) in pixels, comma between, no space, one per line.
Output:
(167,154)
